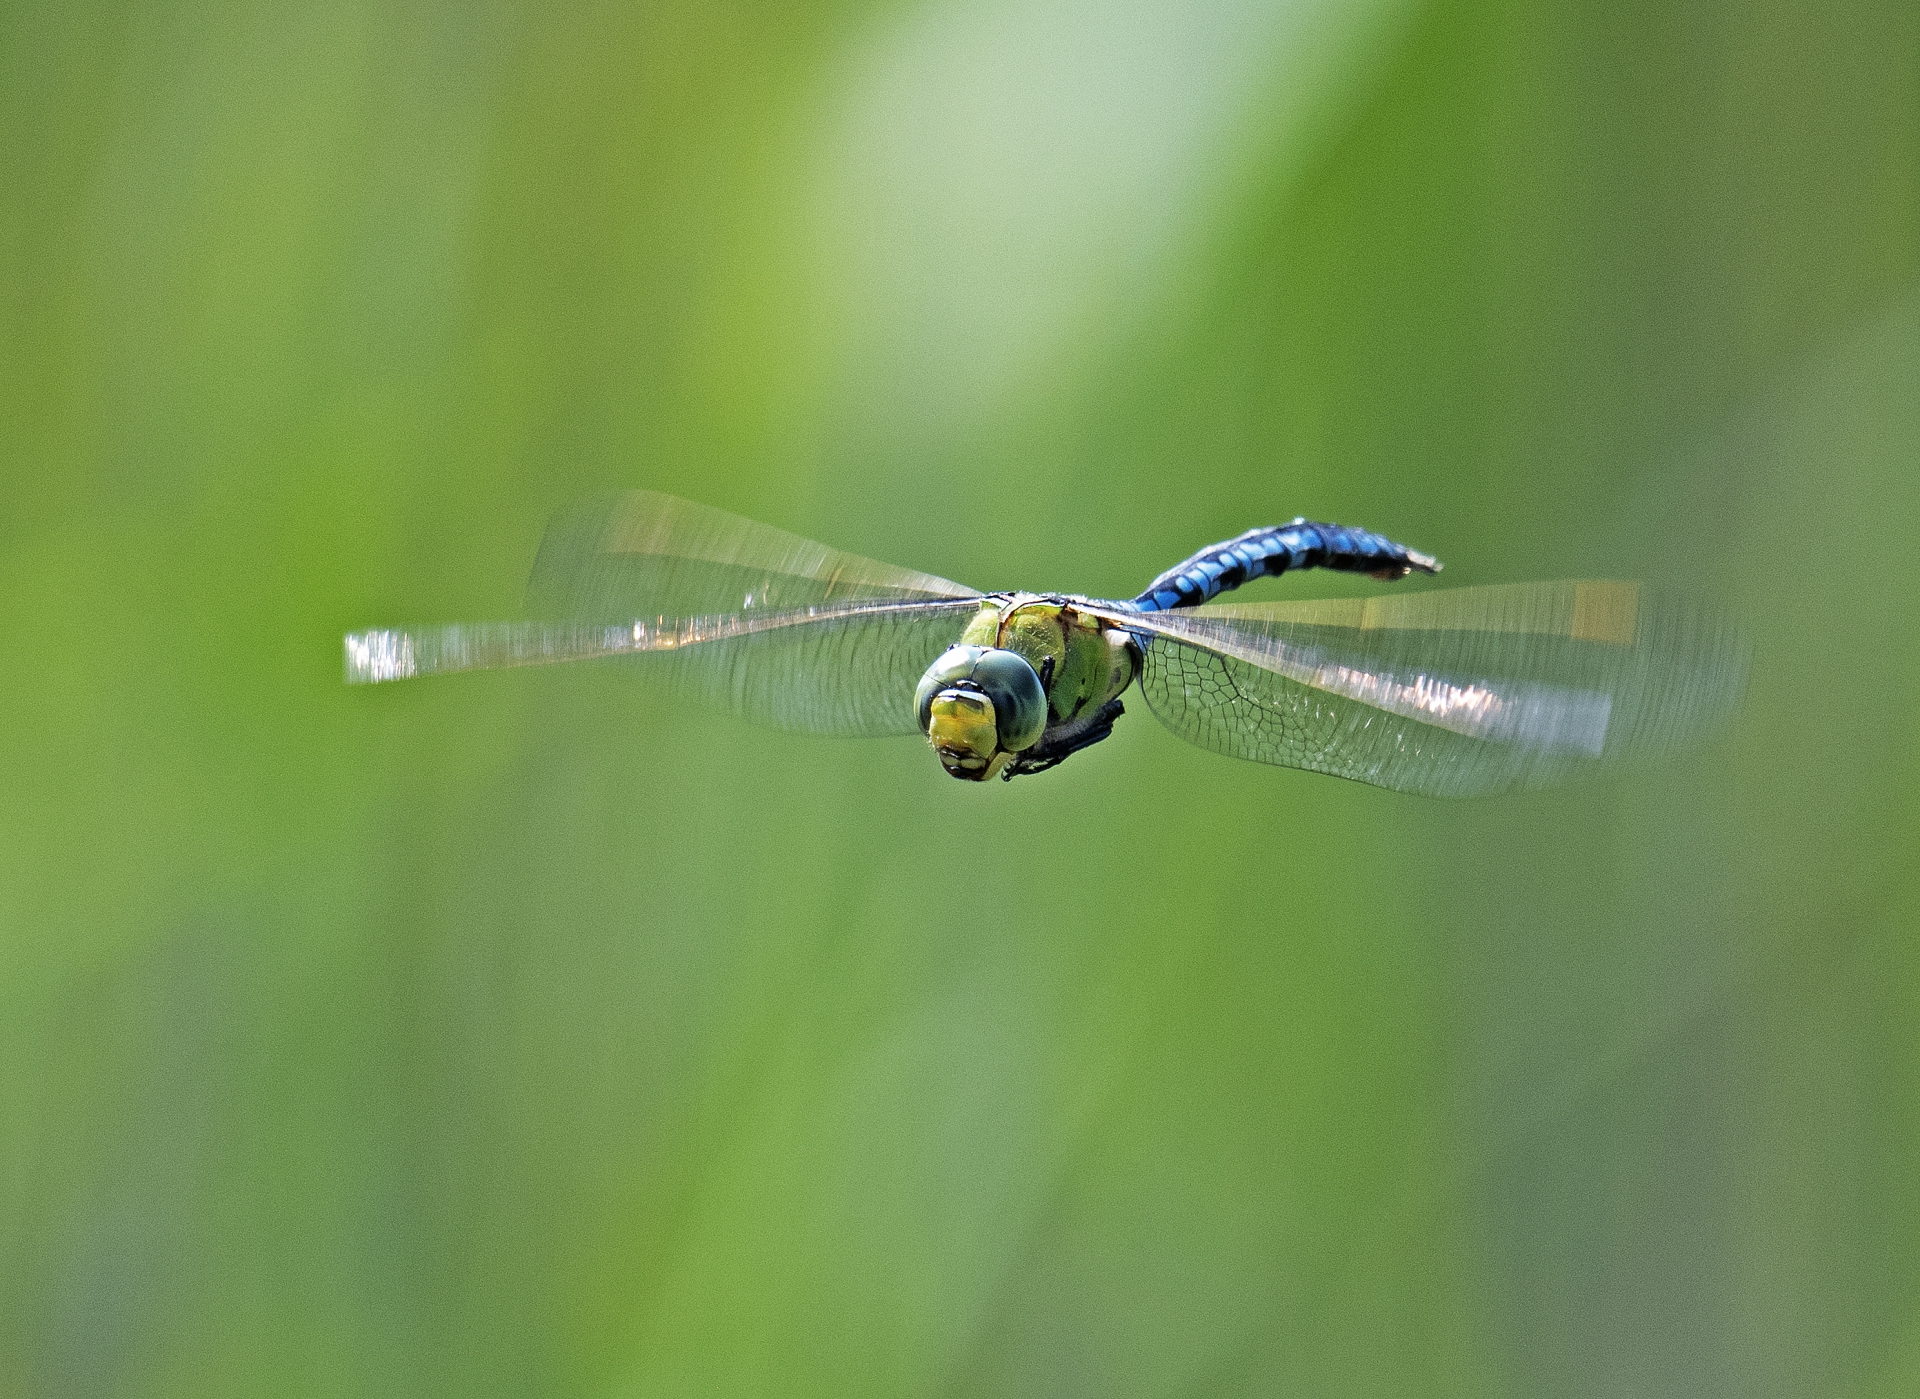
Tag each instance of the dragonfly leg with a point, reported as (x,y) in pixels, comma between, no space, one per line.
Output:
(1052,750)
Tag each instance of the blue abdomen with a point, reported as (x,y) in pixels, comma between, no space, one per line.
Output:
(1277,549)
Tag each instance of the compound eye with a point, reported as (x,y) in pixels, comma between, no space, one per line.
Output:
(1019,702)
(955,663)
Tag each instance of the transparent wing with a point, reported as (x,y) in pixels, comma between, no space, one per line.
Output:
(1445,693)
(643,554)
(847,670)
(772,626)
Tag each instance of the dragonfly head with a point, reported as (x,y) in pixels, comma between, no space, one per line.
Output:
(978,706)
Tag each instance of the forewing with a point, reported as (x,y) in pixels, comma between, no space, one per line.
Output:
(1446,693)
(847,668)
(772,626)
(642,554)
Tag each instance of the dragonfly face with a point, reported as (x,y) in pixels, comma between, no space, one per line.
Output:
(979,706)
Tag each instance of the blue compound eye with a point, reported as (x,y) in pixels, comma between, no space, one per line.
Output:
(1019,703)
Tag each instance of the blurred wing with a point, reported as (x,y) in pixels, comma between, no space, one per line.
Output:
(846,669)
(772,626)
(1445,693)
(643,554)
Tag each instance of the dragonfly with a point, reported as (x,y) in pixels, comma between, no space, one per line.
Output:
(1444,692)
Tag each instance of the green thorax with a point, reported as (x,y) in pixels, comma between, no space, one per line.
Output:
(1081,663)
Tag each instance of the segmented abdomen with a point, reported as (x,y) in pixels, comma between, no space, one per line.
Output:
(1276,549)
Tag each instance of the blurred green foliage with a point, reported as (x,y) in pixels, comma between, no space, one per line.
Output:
(521,1034)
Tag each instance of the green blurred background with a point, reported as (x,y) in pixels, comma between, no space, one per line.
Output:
(521,1034)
